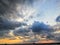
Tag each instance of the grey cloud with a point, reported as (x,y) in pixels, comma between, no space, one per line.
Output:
(8,12)
(33,40)
(6,6)
(43,30)
(39,27)
(56,34)
(4,33)
(21,32)
(10,5)
(58,19)
(6,24)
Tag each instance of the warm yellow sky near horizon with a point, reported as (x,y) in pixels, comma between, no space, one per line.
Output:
(10,41)
(20,41)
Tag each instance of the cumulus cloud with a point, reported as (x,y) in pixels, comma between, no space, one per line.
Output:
(38,27)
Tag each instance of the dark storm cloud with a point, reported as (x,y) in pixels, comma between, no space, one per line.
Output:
(38,27)
(58,19)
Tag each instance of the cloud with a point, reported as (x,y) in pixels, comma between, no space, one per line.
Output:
(58,19)
(43,30)
(9,19)
(6,24)
(6,6)
(21,32)
(4,33)
(33,40)
(56,32)
(11,14)
(38,27)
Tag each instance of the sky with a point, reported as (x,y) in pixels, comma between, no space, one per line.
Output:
(47,11)
(29,21)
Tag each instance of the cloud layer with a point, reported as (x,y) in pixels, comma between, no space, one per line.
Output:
(9,15)
(16,15)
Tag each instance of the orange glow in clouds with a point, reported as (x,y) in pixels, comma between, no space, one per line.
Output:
(17,41)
